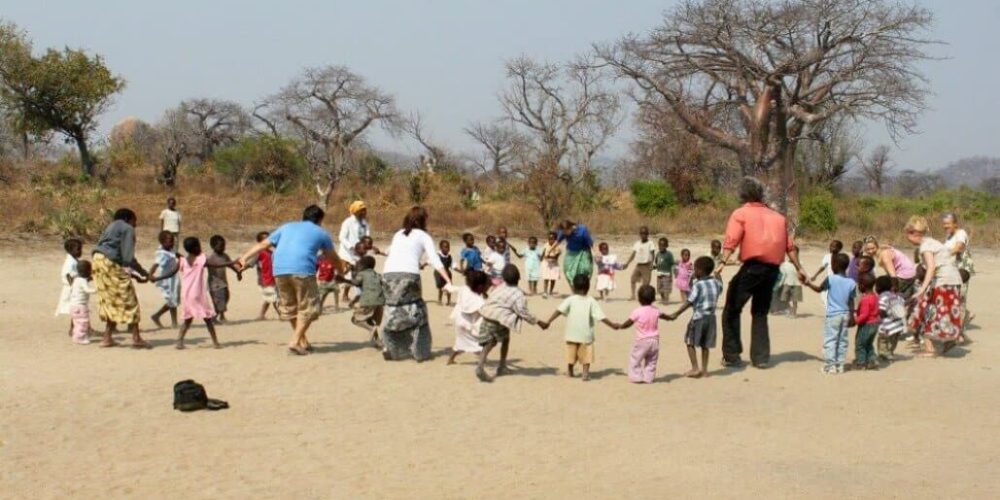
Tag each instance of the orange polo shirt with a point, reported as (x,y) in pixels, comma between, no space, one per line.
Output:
(760,233)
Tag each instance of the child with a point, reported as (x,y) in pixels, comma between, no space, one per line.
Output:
(857,249)
(701,330)
(791,288)
(866,267)
(166,259)
(582,313)
(468,302)
(836,246)
(218,285)
(646,347)
(643,253)
(371,300)
(607,264)
(326,283)
(665,266)
(867,320)
(502,236)
(840,295)
(685,269)
(195,300)
(79,302)
(446,260)
(503,311)
(359,251)
(370,249)
(892,312)
(265,278)
(495,262)
(471,259)
(170,218)
(533,264)
(551,273)
(74,249)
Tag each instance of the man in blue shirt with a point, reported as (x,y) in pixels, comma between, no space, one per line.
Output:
(296,247)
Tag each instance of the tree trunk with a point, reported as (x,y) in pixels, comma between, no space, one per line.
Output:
(790,186)
(325,193)
(86,160)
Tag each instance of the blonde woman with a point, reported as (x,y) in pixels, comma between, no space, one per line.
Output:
(939,311)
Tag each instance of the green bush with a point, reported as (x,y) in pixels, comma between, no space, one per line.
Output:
(268,163)
(817,212)
(653,197)
(75,211)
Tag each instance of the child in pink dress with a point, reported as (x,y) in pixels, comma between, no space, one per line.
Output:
(646,348)
(195,301)
(685,269)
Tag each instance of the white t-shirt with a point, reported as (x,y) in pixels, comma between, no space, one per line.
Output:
(960,236)
(171,220)
(80,292)
(494,263)
(827,262)
(644,252)
(946,268)
(406,251)
(351,232)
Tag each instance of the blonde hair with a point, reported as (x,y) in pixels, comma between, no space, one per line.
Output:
(918,224)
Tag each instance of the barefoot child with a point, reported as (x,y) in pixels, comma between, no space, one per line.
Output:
(79,302)
(170,218)
(867,319)
(551,272)
(166,259)
(892,314)
(470,259)
(503,311)
(701,330)
(218,284)
(841,291)
(857,251)
(643,254)
(607,265)
(264,264)
(326,283)
(791,290)
(468,302)
(371,301)
(836,247)
(446,260)
(582,314)
(74,249)
(495,262)
(533,264)
(665,267)
(646,347)
(685,269)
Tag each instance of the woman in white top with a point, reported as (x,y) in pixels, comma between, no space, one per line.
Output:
(939,314)
(406,325)
(957,242)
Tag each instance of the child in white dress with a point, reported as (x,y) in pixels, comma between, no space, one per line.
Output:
(469,300)
(607,265)
(74,249)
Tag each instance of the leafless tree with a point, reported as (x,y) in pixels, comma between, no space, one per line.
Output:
(217,123)
(501,145)
(756,77)
(567,114)
(435,153)
(178,140)
(877,168)
(827,154)
(330,109)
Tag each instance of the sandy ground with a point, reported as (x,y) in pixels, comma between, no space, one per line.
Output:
(92,423)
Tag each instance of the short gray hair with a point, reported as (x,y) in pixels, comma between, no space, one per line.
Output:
(751,190)
(950,216)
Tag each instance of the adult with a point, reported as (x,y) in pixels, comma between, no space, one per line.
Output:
(957,242)
(895,263)
(114,267)
(762,236)
(354,227)
(579,257)
(406,325)
(296,246)
(939,312)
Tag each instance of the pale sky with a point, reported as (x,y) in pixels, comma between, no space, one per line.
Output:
(445,57)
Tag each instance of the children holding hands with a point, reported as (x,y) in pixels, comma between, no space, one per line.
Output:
(582,313)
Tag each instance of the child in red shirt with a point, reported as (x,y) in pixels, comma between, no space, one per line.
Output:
(327,286)
(867,319)
(265,278)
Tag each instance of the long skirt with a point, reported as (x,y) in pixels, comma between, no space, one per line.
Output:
(576,263)
(406,328)
(116,297)
(939,315)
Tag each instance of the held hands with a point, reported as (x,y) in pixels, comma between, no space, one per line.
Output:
(544,325)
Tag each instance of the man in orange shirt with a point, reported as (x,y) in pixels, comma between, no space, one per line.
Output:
(762,236)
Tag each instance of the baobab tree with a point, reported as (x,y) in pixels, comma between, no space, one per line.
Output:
(330,109)
(216,122)
(757,77)
(877,168)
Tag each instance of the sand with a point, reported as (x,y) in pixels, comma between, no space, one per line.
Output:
(83,422)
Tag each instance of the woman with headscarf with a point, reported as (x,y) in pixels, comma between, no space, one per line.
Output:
(406,325)
(579,257)
(939,311)
(114,267)
(895,263)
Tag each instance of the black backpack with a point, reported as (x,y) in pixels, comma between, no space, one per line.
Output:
(191,396)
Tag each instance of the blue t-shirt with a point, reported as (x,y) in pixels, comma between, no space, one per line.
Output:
(577,240)
(840,291)
(473,258)
(296,247)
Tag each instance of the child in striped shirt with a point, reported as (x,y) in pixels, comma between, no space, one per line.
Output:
(892,310)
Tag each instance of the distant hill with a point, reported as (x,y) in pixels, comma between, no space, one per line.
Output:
(970,172)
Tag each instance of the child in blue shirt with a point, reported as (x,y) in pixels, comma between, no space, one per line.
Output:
(840,293)
(470,259)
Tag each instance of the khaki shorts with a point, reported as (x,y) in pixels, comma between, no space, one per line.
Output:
(298,298)
(643,273)
(579,353)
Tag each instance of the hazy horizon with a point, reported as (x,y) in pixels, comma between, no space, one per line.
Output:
(445,58)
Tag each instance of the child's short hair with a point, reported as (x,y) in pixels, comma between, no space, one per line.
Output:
(192,245)
(171,199)
(366,262)
(477,280)
(883,284)
(704,265)
(839,245)
(468,236)
(216,240)
(602,244)
(532,239)
(865,282)
(868,259)
(73,245)
(647,294)
(581,283)
(443,243)
(664,241)
(839,263)
(553,235)
(125,215)
(511,275)
(261,236)
(716,243)
(965,274)
(83,268)
(162,237)
(683,250)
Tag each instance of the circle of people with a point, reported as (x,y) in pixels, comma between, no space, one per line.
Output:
(298,267)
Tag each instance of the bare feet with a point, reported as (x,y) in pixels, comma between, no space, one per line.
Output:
(216,345)
(694,373)
(502,370)
(298,351)
(704,373)
(140,344)
(109,343)
(482,376)
(179,345)
(261,318)
(156,321)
